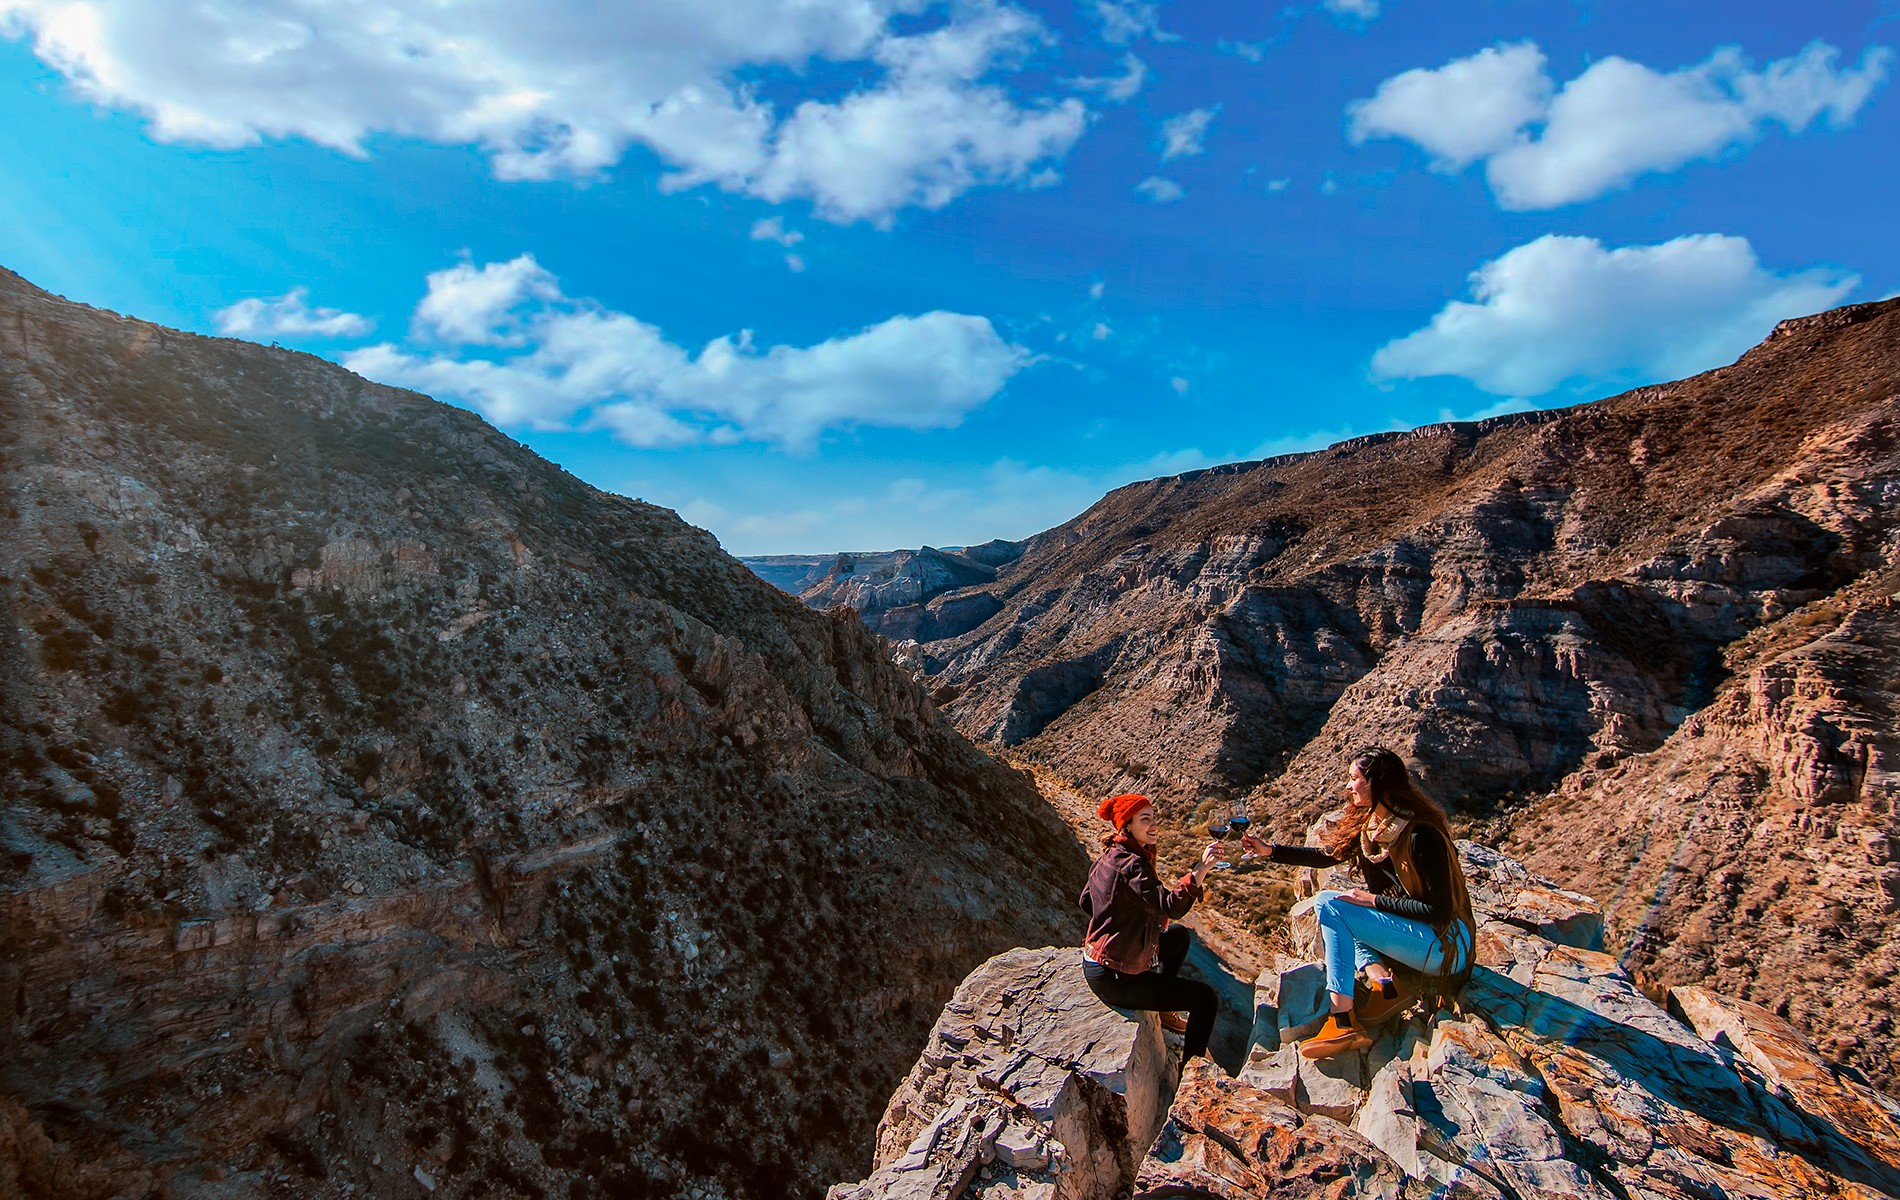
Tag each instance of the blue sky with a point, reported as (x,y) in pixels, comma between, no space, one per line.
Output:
(861,274)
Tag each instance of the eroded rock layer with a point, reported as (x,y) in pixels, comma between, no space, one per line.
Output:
(1651,640)
(383,810)
(1552,1077)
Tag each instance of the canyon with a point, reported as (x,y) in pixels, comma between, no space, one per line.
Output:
(1649,644)
(387,812)
(896,592)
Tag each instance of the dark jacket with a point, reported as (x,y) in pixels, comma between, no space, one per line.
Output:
(1436,906)
(1128,906)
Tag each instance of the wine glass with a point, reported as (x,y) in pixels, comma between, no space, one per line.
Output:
(1217,827)
(1238,823)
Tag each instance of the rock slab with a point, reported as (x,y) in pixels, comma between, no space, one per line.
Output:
(1552,1076)
(1078,1089)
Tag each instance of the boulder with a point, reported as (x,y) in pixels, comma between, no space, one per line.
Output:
(1289,1002)
(1503,889)
(983,1134)
(1644,1102)
(1076,1088)
(1765,1047)
(1480,1119)
(1226,1139)
(1551,1077)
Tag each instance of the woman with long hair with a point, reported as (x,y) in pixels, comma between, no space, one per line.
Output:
(1414,908)
(1131,955)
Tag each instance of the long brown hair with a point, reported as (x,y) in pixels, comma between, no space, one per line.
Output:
(1394,789)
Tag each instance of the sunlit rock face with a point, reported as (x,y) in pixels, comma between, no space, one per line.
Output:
(1553,1078)
(1650,645)
(381,805)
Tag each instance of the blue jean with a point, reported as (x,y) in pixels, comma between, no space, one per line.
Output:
(1354,936)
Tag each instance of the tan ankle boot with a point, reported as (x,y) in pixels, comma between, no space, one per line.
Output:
(1341,1033)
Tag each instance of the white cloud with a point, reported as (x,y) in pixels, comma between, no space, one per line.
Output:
(484,306)
(1117,89)
(1278,185)
(1362,10)
(1461,112)
(1569,310)
(1101,332)
(553,362)
(289,315)
(1185,135)
(1096,289)
(1175,462)
(1008,498)
(768,528)
(1300,443)
(920,144)
(564,88)
(1545,147)
(1504,407)
(1179,385)
(772,229)
(1125,21)
(1159,190)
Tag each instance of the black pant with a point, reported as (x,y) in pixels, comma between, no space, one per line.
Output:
(1161,991)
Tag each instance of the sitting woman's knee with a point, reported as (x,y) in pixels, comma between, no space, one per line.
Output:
(1326,905)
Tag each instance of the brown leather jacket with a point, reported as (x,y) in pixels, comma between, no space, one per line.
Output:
(1128,906)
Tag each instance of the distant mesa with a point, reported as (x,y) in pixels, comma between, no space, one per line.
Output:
(896,591)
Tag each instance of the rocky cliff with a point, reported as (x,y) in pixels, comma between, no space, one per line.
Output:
(1554,1077)
(1649,641)
(898,592)
(385,812)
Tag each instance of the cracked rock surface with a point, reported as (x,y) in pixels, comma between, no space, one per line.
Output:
(1552,1077)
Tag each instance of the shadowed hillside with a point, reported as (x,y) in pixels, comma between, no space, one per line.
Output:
(383,804)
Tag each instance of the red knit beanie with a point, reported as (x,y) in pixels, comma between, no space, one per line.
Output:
(1118,809)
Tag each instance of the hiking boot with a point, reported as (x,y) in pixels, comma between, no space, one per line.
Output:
(1341,1033)
(1376,1007)
(1173,1022)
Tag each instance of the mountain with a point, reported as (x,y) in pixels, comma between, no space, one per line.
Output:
(1649,642)
(896,592)
(383,810)
(790,572)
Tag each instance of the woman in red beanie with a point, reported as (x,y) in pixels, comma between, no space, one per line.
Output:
(1131,957)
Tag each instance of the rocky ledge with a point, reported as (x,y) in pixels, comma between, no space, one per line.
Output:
(1552,1075)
